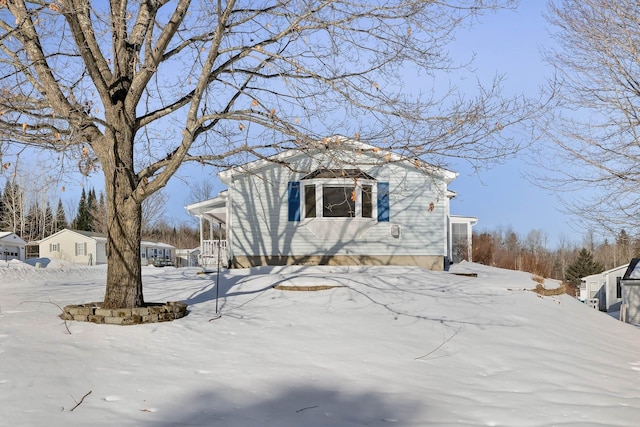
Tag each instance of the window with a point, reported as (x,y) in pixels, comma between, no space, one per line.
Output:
(81,249)
(618,287)
(338,193)
(54,247)
(367,201)
(339,202)
(309,201)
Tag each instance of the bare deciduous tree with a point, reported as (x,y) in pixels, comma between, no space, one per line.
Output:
(138,88)
(153,209)
(594,139)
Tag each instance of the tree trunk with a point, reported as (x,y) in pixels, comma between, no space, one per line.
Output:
(124,277)
(124,215)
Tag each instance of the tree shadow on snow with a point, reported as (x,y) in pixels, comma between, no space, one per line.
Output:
(227,281)
(296,406)
(384,294)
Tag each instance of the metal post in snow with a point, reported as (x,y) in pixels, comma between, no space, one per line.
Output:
(218,274)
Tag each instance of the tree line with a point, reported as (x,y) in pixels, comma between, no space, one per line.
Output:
(568,262)
(28,214)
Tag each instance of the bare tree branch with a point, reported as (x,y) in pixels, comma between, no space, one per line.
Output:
(594,148)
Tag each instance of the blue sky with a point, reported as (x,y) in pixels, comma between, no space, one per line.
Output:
(510,43)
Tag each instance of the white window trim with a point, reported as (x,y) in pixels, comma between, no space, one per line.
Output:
(320,183)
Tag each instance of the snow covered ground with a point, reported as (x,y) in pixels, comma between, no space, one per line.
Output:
(389,346)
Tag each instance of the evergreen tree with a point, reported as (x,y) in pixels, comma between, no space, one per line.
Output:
(60,221)
(92,208)
(584,265)
(82,218)
(99,214)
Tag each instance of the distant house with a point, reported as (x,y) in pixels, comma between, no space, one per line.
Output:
(338,202)
(78,247)
(157,253)
(11,246)
(89,248)
(604,287)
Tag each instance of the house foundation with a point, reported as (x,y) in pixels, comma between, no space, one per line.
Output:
(430,262)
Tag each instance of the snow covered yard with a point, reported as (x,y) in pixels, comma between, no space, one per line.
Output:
(387,346)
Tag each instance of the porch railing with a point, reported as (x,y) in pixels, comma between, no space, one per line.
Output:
(210,250)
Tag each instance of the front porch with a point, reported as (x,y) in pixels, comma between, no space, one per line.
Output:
(214,253)
(214,249)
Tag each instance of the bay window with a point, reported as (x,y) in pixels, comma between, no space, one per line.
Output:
(338,193)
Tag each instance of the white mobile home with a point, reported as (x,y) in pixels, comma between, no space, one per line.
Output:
(338,202)
(89,248)
(157,253)
(78,247)
(605,287)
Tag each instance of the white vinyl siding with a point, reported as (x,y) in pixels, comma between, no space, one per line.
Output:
(75,247)
(261,227)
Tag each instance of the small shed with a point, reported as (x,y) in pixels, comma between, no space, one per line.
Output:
(187,257)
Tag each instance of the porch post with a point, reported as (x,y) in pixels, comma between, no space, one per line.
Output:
(201,233)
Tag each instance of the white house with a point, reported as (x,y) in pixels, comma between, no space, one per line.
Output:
(157,253)
(89,248)
(604,287)
(11,246)
(79,247)
(338,202)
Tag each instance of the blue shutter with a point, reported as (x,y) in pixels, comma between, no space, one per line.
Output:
(383,202)
(293,189)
